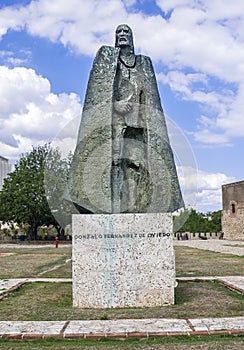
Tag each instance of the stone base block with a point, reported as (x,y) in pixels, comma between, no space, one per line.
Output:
(123,260)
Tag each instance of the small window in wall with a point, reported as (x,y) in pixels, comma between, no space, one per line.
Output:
(233,208)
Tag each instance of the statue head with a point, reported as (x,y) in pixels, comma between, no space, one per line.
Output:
(124,37)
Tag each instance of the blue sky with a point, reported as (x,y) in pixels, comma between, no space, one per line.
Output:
(197,48)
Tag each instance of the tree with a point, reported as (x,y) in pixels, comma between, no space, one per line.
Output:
(56,177)
(191,221)
(215,222)
(23,199)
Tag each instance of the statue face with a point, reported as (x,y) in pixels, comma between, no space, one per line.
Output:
(123,36)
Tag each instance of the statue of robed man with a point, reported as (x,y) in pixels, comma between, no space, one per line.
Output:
(123,161)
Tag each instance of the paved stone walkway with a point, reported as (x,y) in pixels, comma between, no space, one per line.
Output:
(141,328)
(216,245)
(126,328)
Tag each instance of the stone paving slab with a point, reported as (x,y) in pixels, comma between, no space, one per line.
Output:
(52,280)
(31,327)
(233,282)
(127,326)
(215,324)
(7,284)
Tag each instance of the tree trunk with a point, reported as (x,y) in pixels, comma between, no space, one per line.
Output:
(61,232)
(32,236)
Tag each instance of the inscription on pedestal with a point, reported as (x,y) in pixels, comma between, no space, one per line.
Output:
(123,260)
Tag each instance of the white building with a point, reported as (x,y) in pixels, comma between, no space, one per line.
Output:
(5,168)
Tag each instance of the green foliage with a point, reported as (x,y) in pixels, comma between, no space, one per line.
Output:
(198,222)
(27,199)
(104,317)
(56,177)
(23,199)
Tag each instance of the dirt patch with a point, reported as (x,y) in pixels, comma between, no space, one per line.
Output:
(6,254)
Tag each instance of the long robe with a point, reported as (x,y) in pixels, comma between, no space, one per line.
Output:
(123,162)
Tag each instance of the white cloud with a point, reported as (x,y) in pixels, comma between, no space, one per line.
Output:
(199,42)
(129,2)
(12,18)
(208,137)
(66,139)
(29,112)
(11,58)
(210,41)
(205,37)
(233,121)
(207,196)
(209,200)
(167,5)
(184,84)
(227,109)
(82,25)
(212,181)
(193,35)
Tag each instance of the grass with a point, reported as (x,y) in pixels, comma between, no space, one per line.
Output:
(54,302)
(64,271)
(167,343)
(47,301)
(198,262)
(28,262)
(31,261)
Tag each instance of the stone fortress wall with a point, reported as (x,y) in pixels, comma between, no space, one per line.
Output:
(233,210)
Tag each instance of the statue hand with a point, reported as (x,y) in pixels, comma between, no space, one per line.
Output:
(123,106)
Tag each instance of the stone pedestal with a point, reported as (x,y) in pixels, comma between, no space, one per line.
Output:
(123,260)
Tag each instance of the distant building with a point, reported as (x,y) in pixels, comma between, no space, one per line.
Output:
(187,207)
(233,211)
(5,168)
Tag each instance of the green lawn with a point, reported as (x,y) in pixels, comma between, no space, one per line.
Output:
(192,262)
(167,343)
(49,301)
(29,262)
